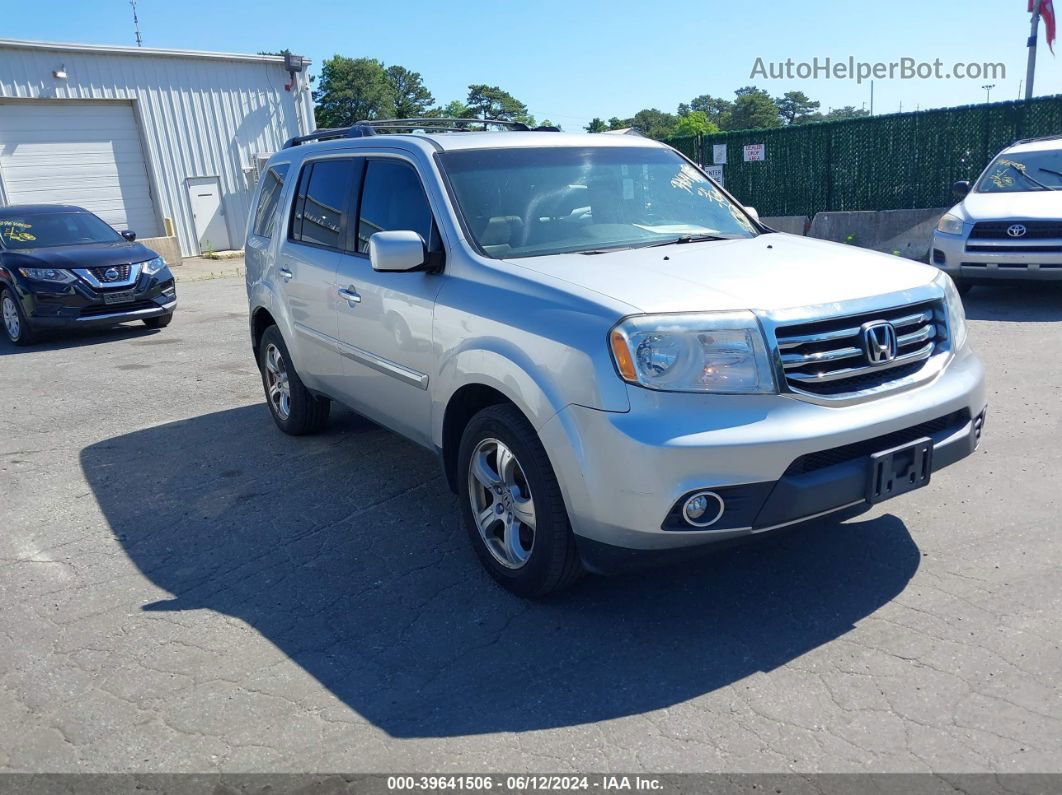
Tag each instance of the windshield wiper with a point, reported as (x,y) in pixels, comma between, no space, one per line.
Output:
(1049,171)
(1033,180)
(685,239)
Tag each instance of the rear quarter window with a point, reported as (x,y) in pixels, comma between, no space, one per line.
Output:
(272,185)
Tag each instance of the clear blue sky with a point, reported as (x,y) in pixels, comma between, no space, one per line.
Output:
(570,60)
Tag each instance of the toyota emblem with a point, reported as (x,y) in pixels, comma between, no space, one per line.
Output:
(1016,230)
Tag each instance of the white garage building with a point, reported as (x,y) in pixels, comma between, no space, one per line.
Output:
(163,142)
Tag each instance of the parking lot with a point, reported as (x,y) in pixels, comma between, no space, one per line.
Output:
(184,588)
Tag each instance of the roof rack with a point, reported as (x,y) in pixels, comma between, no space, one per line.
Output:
(1034,140)
(362,129)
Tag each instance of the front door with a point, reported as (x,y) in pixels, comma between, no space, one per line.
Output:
(211,232)
(385,319)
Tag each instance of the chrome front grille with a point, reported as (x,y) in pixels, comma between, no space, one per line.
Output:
(832,357)
(113,273)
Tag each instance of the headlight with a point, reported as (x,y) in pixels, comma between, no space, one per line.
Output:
(956,311)
(153,266)
(950,224)
(48,275)
(703,352)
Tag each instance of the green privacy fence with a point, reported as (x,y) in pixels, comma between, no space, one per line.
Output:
(899,161)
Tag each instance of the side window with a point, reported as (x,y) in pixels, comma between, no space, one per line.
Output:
(273,183)
(392,199)
(323,202)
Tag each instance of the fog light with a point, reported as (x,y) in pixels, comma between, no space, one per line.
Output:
(703,509)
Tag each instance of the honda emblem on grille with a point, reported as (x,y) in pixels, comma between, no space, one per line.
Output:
(111,274)
(1016,230)
(879,342)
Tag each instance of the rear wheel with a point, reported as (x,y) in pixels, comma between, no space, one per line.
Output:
(158,322)
(513,508)
(295,409)
(15,325)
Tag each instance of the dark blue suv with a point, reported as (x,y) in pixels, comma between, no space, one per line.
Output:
(62,267)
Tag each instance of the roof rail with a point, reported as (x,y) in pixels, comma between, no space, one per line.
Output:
(1034,140)
(358,130)
(376,126)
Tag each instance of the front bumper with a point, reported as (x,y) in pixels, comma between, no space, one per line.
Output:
(775,459)
(50,306)
(1000,261)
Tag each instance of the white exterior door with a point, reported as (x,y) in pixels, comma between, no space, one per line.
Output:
(82,153)
(204,196)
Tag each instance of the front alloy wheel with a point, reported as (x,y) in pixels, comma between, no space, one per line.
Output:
(12,324)
(502,503)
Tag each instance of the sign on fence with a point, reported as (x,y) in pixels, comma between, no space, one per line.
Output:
(716,173)
(719,154)
(755,152)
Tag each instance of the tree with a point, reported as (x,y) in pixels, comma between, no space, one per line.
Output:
(351,89)
(717,109)
(452,110)
(596,126)
(490,102)
(412,99)
(616,123)
(695,123)
(654,123)
(847,112)
(753,109)
(795,107)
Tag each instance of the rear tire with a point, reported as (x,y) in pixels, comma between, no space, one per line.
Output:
(506,477)
(13,320)
(295,409)
(158,322)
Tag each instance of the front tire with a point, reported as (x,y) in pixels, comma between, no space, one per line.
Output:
(295,409)
(158,322)
(15,326)
(512,505)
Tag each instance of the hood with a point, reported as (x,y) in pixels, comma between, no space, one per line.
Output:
(89,255)
(771,272)
(1035,204)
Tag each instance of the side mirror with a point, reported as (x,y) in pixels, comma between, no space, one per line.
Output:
(752,211)
(960,188)
(128,235)
(397,251)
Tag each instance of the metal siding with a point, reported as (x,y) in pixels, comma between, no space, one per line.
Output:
(199,116)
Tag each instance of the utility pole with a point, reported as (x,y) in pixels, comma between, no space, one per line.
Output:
(988,91)
(1020,83)
(1030,71)
(136,24)
(872,91)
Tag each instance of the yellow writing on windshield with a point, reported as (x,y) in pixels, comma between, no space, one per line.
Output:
(16,230)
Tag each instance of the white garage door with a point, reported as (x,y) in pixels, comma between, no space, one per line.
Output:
(83,153)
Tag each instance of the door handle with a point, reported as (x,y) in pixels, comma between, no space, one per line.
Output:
(350,295)
(285,274)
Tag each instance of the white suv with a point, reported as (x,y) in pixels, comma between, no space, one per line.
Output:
(1009,226)
(615,362)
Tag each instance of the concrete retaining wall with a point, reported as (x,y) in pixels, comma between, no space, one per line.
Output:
(793,224)
(907,232)
(166,247)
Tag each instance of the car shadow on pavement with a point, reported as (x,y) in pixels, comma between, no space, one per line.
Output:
(345,551)
(77,338)
(1021,303)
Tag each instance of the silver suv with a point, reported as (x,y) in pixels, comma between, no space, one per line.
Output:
(1009,226)
(615,361)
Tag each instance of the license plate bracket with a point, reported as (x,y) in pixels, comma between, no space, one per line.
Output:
(899,470)
(122,297)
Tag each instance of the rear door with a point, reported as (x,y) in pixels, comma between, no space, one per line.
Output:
(307,262)
(385,319)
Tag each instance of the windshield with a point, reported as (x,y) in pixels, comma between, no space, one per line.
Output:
(40,230)
(531,202)
(1014,172)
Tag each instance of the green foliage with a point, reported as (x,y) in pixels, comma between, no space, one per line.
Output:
(847,112)
(694,123)
(352,89)
(716,109)
(491,102)
(412,98)
(616,123)
(795,107)
(596,126)
(753,109)
(654,123)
